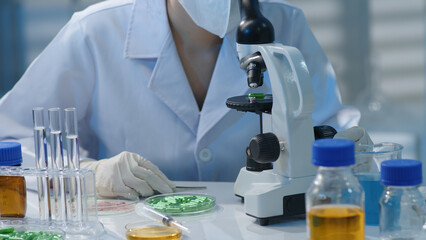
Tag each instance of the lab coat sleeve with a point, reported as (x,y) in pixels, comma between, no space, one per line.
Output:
(61,76)
(328,105)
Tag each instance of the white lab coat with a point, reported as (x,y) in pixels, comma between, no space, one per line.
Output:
(116,62)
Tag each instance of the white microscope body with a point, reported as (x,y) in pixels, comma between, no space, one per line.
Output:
(280,191)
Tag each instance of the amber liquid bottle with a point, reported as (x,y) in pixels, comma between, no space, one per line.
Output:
(13,194)
(335,199)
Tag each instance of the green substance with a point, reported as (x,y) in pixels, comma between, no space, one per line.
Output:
(7,230)
(257,95)
(181,203)
(10,234)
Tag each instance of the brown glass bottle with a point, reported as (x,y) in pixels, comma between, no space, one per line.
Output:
(13,194)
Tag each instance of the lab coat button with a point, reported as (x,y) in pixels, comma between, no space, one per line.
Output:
(205,155)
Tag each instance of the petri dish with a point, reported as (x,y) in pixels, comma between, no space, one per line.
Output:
(30,231)
(182,203)
(116,205)
(151,231)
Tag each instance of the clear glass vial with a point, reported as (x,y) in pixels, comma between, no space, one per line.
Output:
(401,204)
(335,199)
(13,194)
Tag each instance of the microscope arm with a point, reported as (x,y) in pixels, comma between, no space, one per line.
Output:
(293,103)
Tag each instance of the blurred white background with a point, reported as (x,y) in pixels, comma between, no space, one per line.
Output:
(377,48)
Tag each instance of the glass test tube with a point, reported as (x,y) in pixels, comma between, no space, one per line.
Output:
(57,160)
(41,162)
(73,156)
(39,138)
(72,138)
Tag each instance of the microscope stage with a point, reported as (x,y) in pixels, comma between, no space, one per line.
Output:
(245,104)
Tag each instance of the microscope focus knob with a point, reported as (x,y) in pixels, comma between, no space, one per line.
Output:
(264,148)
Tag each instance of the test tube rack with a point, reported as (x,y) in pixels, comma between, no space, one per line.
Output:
(83,225)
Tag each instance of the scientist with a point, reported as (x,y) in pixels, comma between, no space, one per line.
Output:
(150,78)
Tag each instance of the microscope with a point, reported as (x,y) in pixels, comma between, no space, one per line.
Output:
(279,169)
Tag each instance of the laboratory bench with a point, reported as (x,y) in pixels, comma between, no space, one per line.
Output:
(226,221)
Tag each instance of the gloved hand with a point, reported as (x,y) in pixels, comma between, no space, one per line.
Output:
(128,173)
(360,137)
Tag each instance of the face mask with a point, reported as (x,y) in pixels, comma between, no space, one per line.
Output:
(216,16)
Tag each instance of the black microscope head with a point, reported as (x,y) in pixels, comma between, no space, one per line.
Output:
(254,28)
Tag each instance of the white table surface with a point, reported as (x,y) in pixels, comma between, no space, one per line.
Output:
(228,221)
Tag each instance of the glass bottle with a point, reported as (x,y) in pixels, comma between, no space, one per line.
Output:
(401,204)
(335,199)
(13,195)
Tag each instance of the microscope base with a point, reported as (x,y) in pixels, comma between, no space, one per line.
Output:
(268,195)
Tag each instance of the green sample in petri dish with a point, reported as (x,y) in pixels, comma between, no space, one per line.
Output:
(182,203)
(11,234)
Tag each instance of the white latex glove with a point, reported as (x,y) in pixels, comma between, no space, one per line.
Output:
(128,173)
(360,137)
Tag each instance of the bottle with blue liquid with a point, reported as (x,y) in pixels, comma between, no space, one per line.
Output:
(401,204)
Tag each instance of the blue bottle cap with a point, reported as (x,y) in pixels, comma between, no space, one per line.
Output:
(330,152)
(10,153)
(401,172)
